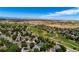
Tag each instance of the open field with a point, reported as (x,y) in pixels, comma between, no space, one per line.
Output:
(59,24)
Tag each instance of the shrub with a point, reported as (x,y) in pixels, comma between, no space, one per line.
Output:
(13,48)
(36,50)
(44,47)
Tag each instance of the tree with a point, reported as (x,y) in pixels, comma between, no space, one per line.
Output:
(32,45)
(14,37)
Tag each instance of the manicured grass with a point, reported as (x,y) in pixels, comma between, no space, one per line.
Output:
(67,42)
(56,37)
(38,32)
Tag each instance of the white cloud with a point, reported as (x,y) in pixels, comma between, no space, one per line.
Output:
(69,12)
(61,13)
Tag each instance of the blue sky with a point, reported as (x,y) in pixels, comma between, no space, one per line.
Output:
(60,13)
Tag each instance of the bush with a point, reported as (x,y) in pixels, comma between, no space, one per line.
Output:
(44,47)
(1,43)
(36,50)
(13,48)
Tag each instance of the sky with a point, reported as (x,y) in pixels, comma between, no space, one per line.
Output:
(58,13)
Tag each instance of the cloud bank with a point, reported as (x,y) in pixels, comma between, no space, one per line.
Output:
(62,14)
